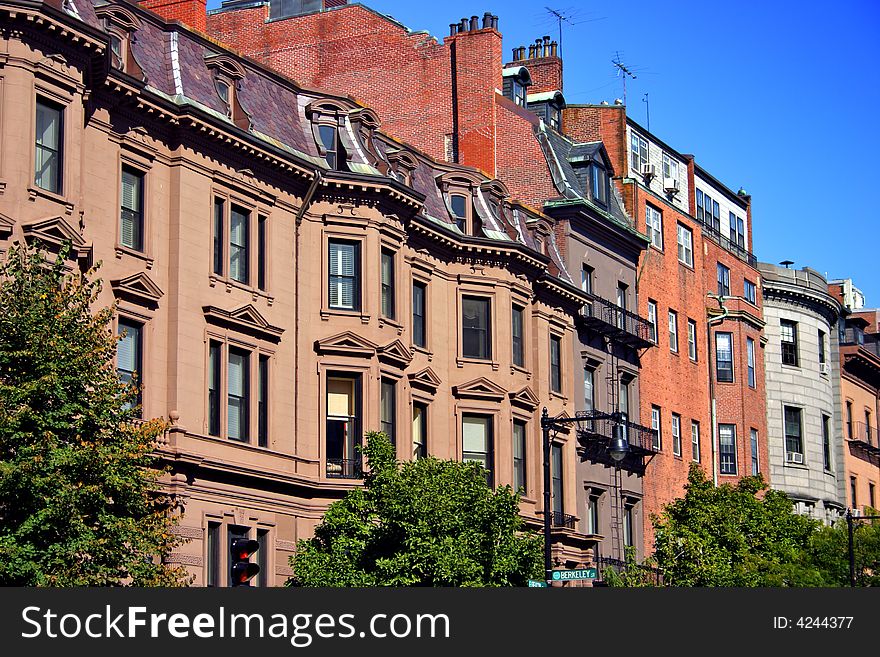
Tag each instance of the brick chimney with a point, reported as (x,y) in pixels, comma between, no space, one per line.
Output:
(475,50)
(191,12)
(543,62)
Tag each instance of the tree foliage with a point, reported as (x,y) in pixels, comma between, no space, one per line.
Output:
(420,523)
(733,535)
(77,496)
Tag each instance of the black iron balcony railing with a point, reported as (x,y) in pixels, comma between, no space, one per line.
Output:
(565,520)
(344,469)
(595,434)
(621,325)
(726,243)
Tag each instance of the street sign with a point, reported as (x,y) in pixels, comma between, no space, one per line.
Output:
(536,584)
(567,575)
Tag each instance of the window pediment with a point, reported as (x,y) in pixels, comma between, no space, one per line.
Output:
(481,388)
(246,319)
(346,344)
(226,65)
(118,15)
(6,225)
(54,232)
(426,379)
(395,353)
(525,398)
(140,287)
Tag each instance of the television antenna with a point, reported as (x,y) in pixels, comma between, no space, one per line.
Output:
(571,17)
(623,71)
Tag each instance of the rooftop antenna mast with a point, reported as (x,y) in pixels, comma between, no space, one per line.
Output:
(561,17)
(623,71)
(647,109)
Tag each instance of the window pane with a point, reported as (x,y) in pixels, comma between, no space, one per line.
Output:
(218,235)
(387,409)
(388,284)
(519,455)
(724,357)
(263,402)
(555,366)
(327,134)
(476,440)
(695,440)
(589,398)
(475,327)
(238,244)
(420,430)
(128,356)
(459,209)
(237,416)
(727,448)
(214,388)
(419,293)
(131,215)
(750,348)
(753,436)
(517,332)
(47,174)
(261,252)
(343,291)
(556,470)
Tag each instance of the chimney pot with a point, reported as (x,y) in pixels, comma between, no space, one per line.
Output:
(487,20)
(463,25)
(475,23)
(515,53)
(531,51)
(553,47)
(453,28)
(494,22)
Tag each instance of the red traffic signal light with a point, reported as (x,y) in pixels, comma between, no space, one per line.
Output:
(243,570)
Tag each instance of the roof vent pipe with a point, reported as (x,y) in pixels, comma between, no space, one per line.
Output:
(475,23)
(487,20)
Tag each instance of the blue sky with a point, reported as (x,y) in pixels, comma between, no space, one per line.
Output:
(779,97)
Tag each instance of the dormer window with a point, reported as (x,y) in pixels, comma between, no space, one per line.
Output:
(227,73)
(554,117)
(519,93)
(329,119)
(120,24)
(117,52)
(402,165)
(516,81)
(599,183)
(460,212)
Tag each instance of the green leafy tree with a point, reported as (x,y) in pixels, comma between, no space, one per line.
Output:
(828,553)
(631,573)
(77,493)
(733,535)
(420,523)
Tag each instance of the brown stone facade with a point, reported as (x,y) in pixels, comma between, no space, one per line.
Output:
(284,305)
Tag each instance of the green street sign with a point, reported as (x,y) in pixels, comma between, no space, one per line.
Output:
(536,584)
(566,575)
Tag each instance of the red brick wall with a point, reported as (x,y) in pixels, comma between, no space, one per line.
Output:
(586,123)
(476,58)
(546,73)
(520,159)
(407,78)
(191,12)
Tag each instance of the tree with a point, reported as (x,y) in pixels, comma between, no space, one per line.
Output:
(78,501)
(828,553)
(733,535)
(420,523)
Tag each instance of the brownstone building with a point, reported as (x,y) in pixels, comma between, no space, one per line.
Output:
(287,276)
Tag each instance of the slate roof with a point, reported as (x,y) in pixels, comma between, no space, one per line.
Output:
(173,59)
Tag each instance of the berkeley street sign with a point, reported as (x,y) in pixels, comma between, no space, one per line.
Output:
(564,575)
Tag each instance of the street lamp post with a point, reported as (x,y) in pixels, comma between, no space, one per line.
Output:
(617,450)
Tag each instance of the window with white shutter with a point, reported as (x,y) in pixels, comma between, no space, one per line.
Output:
(131,229)
(344,292)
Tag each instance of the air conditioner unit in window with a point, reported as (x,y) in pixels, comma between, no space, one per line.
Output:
(671,186)
(649,170)
(794,457)
(823,368)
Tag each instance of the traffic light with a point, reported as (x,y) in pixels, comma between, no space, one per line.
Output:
(243,570)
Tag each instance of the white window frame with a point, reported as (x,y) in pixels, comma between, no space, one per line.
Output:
(654,225)
(676,434)
(686,250)
(692,339)
(673,331)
